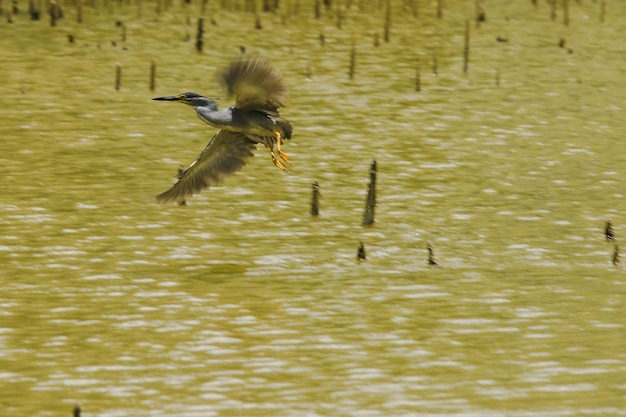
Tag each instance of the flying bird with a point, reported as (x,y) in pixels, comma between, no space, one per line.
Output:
(254,118)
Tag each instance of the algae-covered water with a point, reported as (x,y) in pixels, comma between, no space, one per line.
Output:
(241,303)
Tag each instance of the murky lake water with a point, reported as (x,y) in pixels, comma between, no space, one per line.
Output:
(241,304)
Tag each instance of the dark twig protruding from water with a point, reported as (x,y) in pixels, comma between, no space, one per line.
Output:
(118,76)
(340,15)
(122,27)
(152,75)
(200,32)
(431,254)
(466,48)
(79,11)
(352,59)
(370,203)
(33,10)
(77,410)
(53,11)
(418,82)
(360,255)
(608,230)
(387,27)
(481,15)
(315,200)
(602,10)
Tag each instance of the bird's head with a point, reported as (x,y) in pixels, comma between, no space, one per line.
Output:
(191,99)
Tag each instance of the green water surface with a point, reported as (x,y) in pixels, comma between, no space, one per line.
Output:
(241,303)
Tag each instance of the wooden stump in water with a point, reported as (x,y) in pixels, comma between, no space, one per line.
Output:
(466,48)
(431,255)
(481,14)
(352,59)
(608,231)
(118,76)
(387,27)
(199,33)
(152,75)
(370,202)
(33,10)
(602,10)
(315,200)
(418,82)
(360,254)
(52,10)
(123,31)
(79,11)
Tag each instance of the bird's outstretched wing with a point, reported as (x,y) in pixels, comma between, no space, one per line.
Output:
(225,154)
(255,85)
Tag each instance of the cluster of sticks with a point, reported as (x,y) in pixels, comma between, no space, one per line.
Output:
(368,216)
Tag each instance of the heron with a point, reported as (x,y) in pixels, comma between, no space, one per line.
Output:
(259,92)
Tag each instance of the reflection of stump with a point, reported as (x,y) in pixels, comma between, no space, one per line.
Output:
(370,203)
(360,255)
(315,200)
(616,260)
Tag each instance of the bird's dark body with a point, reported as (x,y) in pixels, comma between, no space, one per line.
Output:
(249,122)
(254,118)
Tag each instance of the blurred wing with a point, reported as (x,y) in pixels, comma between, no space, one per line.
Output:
(225,154)
(255,85)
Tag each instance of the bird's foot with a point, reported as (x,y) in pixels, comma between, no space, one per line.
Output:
(283,156)
(278,163)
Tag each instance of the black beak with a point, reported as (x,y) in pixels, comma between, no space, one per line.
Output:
(167,98)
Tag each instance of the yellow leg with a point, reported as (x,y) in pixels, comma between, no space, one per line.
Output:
(276,161)
(282,155)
